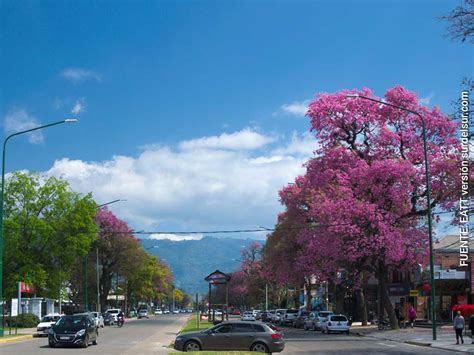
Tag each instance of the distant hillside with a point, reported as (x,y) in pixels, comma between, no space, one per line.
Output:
(192,260)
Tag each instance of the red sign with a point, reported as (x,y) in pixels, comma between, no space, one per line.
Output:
(25,288)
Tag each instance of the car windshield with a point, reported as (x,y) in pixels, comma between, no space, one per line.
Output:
(292,311)
(71,321)
(49,319)
(325,314)
(339,318)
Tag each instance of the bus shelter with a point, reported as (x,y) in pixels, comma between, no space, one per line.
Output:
(218,279)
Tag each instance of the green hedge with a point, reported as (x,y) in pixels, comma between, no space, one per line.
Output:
(25,320)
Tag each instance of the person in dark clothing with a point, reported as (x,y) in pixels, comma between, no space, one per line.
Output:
(397,314)
(458,325)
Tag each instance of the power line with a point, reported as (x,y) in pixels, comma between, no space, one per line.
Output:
(144,232)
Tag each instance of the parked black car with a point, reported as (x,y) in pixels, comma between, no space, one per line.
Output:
(79,329)
(265,316)
(108,318)
(255,336)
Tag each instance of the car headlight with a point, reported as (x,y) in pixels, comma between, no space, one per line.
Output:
(179,338)
(51,331)
(81,332)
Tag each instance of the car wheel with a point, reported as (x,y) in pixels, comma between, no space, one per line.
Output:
(260,348)
(94,342)
(305,327)
(192,346)
(329,332)
(51,344)
(314,328)
(86,342)
(347,332)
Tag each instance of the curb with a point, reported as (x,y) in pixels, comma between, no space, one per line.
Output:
(15,339)
(419,343)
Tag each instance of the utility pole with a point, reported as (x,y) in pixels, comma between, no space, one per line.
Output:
(173,299)
(327,295)
(266,296)
(97,266)
(86,307)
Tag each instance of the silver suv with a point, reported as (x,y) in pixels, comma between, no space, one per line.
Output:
(288,317)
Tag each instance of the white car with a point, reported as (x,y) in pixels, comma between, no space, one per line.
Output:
(142,313)
(288,317)
(247,316)
(99,320)
(46,322)
(335,323)
(321,316)
(278,313)
(255,312)
(114,312)
(158,311)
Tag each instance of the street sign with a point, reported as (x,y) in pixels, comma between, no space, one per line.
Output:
(414,293)
(25,288)
(14,310)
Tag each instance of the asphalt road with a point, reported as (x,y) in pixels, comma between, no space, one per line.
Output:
(153,335)
(137,337)
(302,342)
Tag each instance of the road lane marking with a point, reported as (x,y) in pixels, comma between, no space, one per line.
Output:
(389,345)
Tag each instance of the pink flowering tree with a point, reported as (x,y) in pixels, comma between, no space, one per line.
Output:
(362,202)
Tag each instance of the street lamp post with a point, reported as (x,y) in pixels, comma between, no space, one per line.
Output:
(428,201)
(97,256)
(68,120)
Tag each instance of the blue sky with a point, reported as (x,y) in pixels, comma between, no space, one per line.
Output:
(183,105)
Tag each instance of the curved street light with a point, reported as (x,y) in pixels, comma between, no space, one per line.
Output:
(96,265)
(67,120)
(428,201)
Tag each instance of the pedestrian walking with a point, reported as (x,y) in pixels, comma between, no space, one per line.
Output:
(471,326)
(412,316)
(458,324)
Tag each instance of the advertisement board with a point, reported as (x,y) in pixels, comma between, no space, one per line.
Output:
(14,308)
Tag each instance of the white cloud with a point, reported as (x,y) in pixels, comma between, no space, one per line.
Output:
(175,237)
(300,145)
(79,106)
(193,189)
(296,108)
(78,75)
(247,139)
(426,100)
(20,120)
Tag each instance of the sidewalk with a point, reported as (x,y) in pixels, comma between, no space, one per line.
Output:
(446,338)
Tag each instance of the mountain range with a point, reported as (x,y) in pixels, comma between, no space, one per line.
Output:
(192,260)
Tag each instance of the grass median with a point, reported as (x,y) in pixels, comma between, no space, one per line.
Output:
(192,325)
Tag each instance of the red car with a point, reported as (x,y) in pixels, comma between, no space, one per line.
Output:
(236,312)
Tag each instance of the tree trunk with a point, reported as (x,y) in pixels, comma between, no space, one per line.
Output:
(105,286)
(297,297)
(362,307)
(308,297)
(385,298)
(339,299)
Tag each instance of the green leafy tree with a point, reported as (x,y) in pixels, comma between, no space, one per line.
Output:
(46,227)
